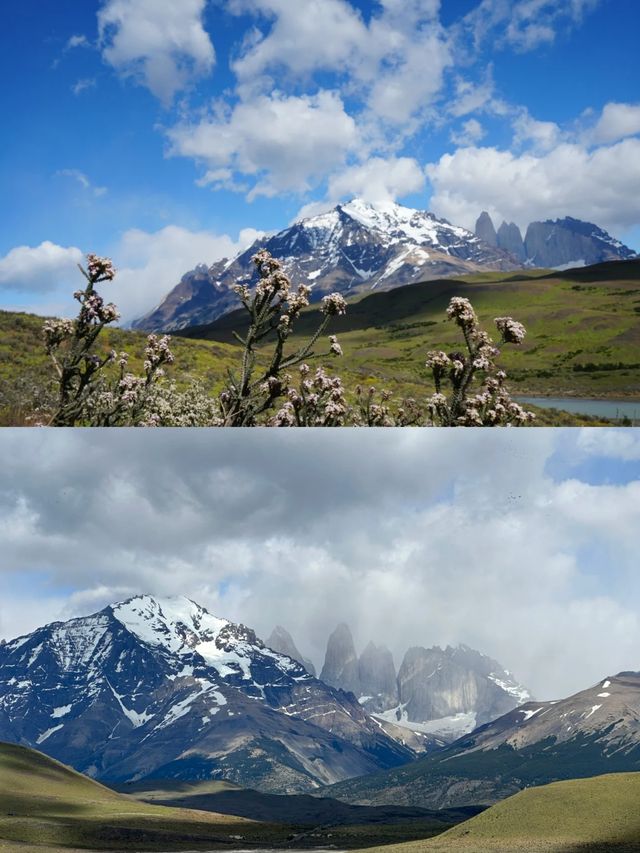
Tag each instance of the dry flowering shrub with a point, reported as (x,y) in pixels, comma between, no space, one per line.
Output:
(492,404)
(317,401)
(87,394)
(374,409)
(273,308)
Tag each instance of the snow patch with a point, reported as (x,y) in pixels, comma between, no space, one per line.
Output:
(48,733)
(62,711)
(528,714)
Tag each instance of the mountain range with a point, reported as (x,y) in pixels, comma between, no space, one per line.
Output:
(162,688)
(554,244)
(358,247)
(440,692)
(592,732)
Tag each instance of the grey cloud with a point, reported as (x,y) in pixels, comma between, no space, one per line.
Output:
(413,537)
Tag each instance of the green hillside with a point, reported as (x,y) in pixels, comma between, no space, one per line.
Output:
(598,814)
(583,330)
(45,806)
(44,802)
(583,339)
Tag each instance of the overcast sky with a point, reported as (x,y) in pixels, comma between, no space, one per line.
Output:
(177,131)
(520,543)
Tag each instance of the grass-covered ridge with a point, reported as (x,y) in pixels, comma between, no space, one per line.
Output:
(44,802)
(46,806)
(598,814)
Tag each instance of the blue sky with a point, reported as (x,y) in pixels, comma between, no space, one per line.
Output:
(168,134)
(521,543)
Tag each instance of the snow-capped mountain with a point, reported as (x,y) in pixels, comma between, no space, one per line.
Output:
(162,688)
(592,732)
(354,248)
(438,693)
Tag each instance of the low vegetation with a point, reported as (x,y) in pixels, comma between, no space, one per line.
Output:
(597,814)
(46,806)
(583,336)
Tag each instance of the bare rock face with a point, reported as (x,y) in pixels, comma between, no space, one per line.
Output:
(485,230)
(510,239)
(341,668)
(281,641)
(377,673)
(565,242)
(436,683)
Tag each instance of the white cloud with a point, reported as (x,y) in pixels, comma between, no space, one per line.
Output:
(305,37)
(602,185)
(83,85)
(40,268)
(83,180)
(149,265)
(377,179)
(396,62)
(542,136)
(470,133)
(77,41)
(282,142)
(160,43)
(524,24)
(623,444)
(616,122)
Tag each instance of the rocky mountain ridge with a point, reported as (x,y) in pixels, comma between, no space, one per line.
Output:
(438,692)
(160,687)
(553,244)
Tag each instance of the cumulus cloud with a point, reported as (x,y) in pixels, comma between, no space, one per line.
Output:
(616,122)
(38,269)
(283,142)
(160,43)
(316,35)
(150,264)
(601,185)
(377,179)
(463,537)
(539,136)
(470,133)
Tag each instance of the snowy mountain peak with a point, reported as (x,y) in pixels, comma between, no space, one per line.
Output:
(160,685)
(354,248)
(171,622)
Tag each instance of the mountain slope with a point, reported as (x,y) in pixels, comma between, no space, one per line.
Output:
(44,802)
(595,731)
(575,816)
(162,688)
(354,248)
